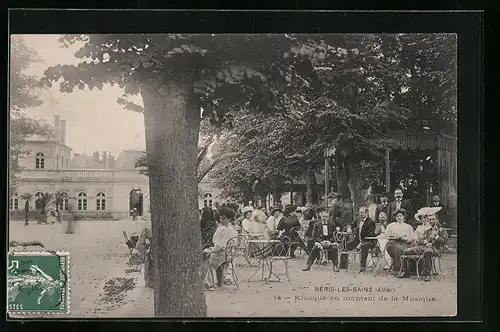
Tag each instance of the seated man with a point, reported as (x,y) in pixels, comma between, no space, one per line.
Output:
(311,219)
(323,234)
(429,241)
(365,228)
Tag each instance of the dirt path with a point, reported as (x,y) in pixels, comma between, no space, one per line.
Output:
(101,287)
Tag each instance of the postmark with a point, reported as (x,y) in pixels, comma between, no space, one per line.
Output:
(38,282)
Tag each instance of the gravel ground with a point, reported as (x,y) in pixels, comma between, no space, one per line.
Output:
(103,285)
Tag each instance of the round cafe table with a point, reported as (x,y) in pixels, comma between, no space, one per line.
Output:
(262,249)
(341,238)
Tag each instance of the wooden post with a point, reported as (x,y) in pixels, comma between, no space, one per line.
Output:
(387,171)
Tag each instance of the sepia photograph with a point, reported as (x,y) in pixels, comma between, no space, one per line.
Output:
(232,175)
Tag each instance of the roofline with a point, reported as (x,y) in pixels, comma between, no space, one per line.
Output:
(48,141)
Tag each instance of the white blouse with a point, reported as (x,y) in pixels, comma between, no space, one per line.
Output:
(222,235)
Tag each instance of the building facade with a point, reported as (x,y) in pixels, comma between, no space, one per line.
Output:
(101,189)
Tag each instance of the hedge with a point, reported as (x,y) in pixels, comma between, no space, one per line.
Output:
(35,214)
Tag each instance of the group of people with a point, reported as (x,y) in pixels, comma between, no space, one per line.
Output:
(423,234)
(315,230)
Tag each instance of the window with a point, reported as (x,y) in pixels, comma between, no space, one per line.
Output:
(63,203)
(38,203)
(62,162)
(14,203)
(207,201)
(82,201)
(101,202)
(39,161)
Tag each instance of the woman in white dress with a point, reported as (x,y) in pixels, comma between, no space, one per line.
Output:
(247,224)
(259,219)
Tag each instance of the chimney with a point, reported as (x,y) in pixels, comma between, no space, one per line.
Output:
(105,159)
(57,122)
(63,132)
(111,161)
(95,156)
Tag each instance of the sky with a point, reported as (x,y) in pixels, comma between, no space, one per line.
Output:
(94,120)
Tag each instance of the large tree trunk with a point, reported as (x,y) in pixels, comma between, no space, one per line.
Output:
(342,177)
(172,121)
(358,194)
(310,184)
(277,197)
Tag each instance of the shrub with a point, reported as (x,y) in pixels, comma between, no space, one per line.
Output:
(19,215)
(92,215)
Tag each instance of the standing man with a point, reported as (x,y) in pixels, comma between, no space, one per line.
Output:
(364,229)
(335,212)
(26,212)
(442,215)
(324,240)
(383,206)
(398,204)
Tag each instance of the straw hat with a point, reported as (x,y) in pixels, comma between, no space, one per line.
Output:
(226,211)
(247,209)
(428,211)
(276,209)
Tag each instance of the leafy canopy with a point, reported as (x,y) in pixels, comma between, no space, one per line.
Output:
(23,94)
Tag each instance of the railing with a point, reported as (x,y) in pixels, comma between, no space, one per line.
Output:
(81,174)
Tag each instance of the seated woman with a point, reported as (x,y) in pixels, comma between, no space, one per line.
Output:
(247,224)
(401,236)
(272,222)
(287,227)
(259,219)
(380,225)
(429,241)
(214,257)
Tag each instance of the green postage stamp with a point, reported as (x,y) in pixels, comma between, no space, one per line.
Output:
(38,282)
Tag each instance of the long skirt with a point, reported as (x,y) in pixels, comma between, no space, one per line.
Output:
(395,249)
(216,269)
(149,276)
(425,263)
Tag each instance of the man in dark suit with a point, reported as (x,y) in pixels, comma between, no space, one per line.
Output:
(383,206)
(365,228)
(398,204)
(323,234)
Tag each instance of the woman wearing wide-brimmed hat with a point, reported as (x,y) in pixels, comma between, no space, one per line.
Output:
(214,257)
(247,224)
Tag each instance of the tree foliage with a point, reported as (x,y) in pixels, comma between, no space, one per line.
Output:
(354,105)
(22,95)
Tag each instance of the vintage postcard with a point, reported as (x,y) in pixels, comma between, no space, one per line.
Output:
(219,175)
